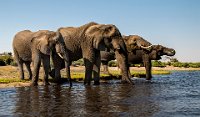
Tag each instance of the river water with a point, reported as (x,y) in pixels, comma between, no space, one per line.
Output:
(177,95)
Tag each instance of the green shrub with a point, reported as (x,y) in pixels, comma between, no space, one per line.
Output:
(7,58)
(158,64)
(79,62)
(112,63)
(2,63)
(13,63)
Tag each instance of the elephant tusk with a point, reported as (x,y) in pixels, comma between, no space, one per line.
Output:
(60,55)
(143,47)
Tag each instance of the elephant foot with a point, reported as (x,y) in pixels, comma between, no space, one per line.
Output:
(96,83)
(52,73)
(148,79)
(46,83)
(124,81)
(57,80)
(127,82)
(34,84)
(70,83)
(87,83)
(22,78)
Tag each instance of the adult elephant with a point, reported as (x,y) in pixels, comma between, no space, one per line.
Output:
(86,42)
(36,46)
(137,56)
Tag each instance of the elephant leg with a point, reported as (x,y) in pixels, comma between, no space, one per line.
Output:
(37,63)
(58,65)
(96,68)
(28,67)
(88,71)
(105,67)
(147,64)
(20,64)
(52,73)
(21,69)
(68,74)
(129,72)
(123,65)
(148,70)
(46,67)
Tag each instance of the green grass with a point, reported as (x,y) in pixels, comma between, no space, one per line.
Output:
(10,80)
(11,74)
(142,73)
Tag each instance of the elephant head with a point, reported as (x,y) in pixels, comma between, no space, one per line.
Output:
(60,48)
(108,36)
(47,41)
(159,50)
(135,42)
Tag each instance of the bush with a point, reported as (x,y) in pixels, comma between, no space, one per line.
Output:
(158,64)
(112,63)
(79,62)
(2,63)
(13,63)
(136,65)
(7,59)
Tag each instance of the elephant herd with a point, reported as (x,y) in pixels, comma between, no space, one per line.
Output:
(93,42)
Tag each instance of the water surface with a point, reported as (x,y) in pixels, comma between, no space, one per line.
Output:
(176,95)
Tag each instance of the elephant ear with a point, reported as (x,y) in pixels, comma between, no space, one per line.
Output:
(95,34)
(41,43)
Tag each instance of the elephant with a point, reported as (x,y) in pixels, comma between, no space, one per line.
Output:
(86,42)
(36,47)
(137,56)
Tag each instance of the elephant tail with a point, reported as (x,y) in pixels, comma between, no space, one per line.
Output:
(16,55)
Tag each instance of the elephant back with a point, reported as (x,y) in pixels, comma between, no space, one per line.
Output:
(139,40)
(22,45)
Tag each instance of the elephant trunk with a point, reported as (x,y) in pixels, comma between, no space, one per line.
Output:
(169,52)
(122,58)
(63,53)
(67,63)
(122,61)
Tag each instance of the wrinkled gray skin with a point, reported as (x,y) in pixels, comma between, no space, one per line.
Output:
(137,56)
(36,46)
(86,42)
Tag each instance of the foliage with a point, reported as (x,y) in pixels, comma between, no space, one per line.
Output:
(79,62)
(112,63)
(6,59)
(2,63)
(186,64)
(158,64)
(174,62)
(13,63)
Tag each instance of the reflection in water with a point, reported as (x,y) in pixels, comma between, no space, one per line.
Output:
(171,95)
(104,100)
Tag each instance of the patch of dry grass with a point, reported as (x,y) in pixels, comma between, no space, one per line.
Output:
(9,74)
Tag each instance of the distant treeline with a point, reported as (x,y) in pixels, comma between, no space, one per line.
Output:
(172,62)
(176,64)
(6,58)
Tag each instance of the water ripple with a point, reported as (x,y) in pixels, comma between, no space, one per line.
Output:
(177,94)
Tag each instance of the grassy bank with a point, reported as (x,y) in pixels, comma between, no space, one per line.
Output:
(10,74)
